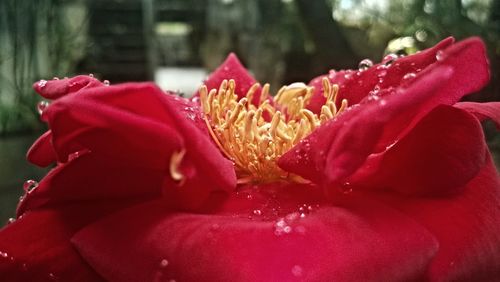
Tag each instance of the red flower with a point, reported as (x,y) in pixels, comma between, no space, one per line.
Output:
(393,183)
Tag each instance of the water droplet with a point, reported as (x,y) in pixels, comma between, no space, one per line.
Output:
(4,254)
(30,185)
(163,263)
(11,220)
(73,156)
(281,227)
(297,271)
(42,83)
(91,75)
(409,76)
(53,277)
(332,74)
(106,82)
(215,227)
(42,106)
(439,55)
(389,59)
(257,212)
(346,188)
(365,64)
(55,78)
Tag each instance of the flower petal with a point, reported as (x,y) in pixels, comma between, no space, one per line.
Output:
(141,126)
(102,127)
(482,110)
(37,247)
(42,152)
(441,154)
(232,68)
(340,147)
(349,243)
(57,88)
(356,85)
(92,177)
(467,227)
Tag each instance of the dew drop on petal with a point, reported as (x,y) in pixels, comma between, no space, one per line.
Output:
(106,82)
(163,263)
(365,64)
(409,76)
(11,220)
(346,188)
(53,277)
(91,75)
(257,212)
(389,59)
(439,55)
(42,83)
(297,271)
(30,185)
(55,78)
(4,254)
(42,106)
(281,227)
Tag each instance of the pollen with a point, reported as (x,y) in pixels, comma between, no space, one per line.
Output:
(255,134)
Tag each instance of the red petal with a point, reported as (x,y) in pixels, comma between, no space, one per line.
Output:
(107,129)
(232,68)
(42,152)
(442,153)
(338,148)
(91,177)
(356,85)
(483,110)
(349,243)
(467,227)
(37,246)
(341,146)
(140,125)
(57,88)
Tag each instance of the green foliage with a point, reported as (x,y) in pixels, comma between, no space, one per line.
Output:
(37,39)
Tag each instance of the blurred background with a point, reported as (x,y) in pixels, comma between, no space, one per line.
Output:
(178,42)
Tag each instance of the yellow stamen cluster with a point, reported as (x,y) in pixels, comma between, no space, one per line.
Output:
(255,136)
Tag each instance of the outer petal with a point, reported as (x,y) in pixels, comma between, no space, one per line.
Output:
(91,177)
(442,153)
(57,88)
(42,152)
(37,248)
(355,242)
(232,68)
(467,227)
(341,146)
(141,126)
(338,148)
(483,110)
(355,85)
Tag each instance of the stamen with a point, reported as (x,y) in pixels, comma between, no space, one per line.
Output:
(175,162)
(245,134)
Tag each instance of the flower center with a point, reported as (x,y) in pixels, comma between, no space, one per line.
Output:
(255,135)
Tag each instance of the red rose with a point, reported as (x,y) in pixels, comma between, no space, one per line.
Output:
(377,174)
